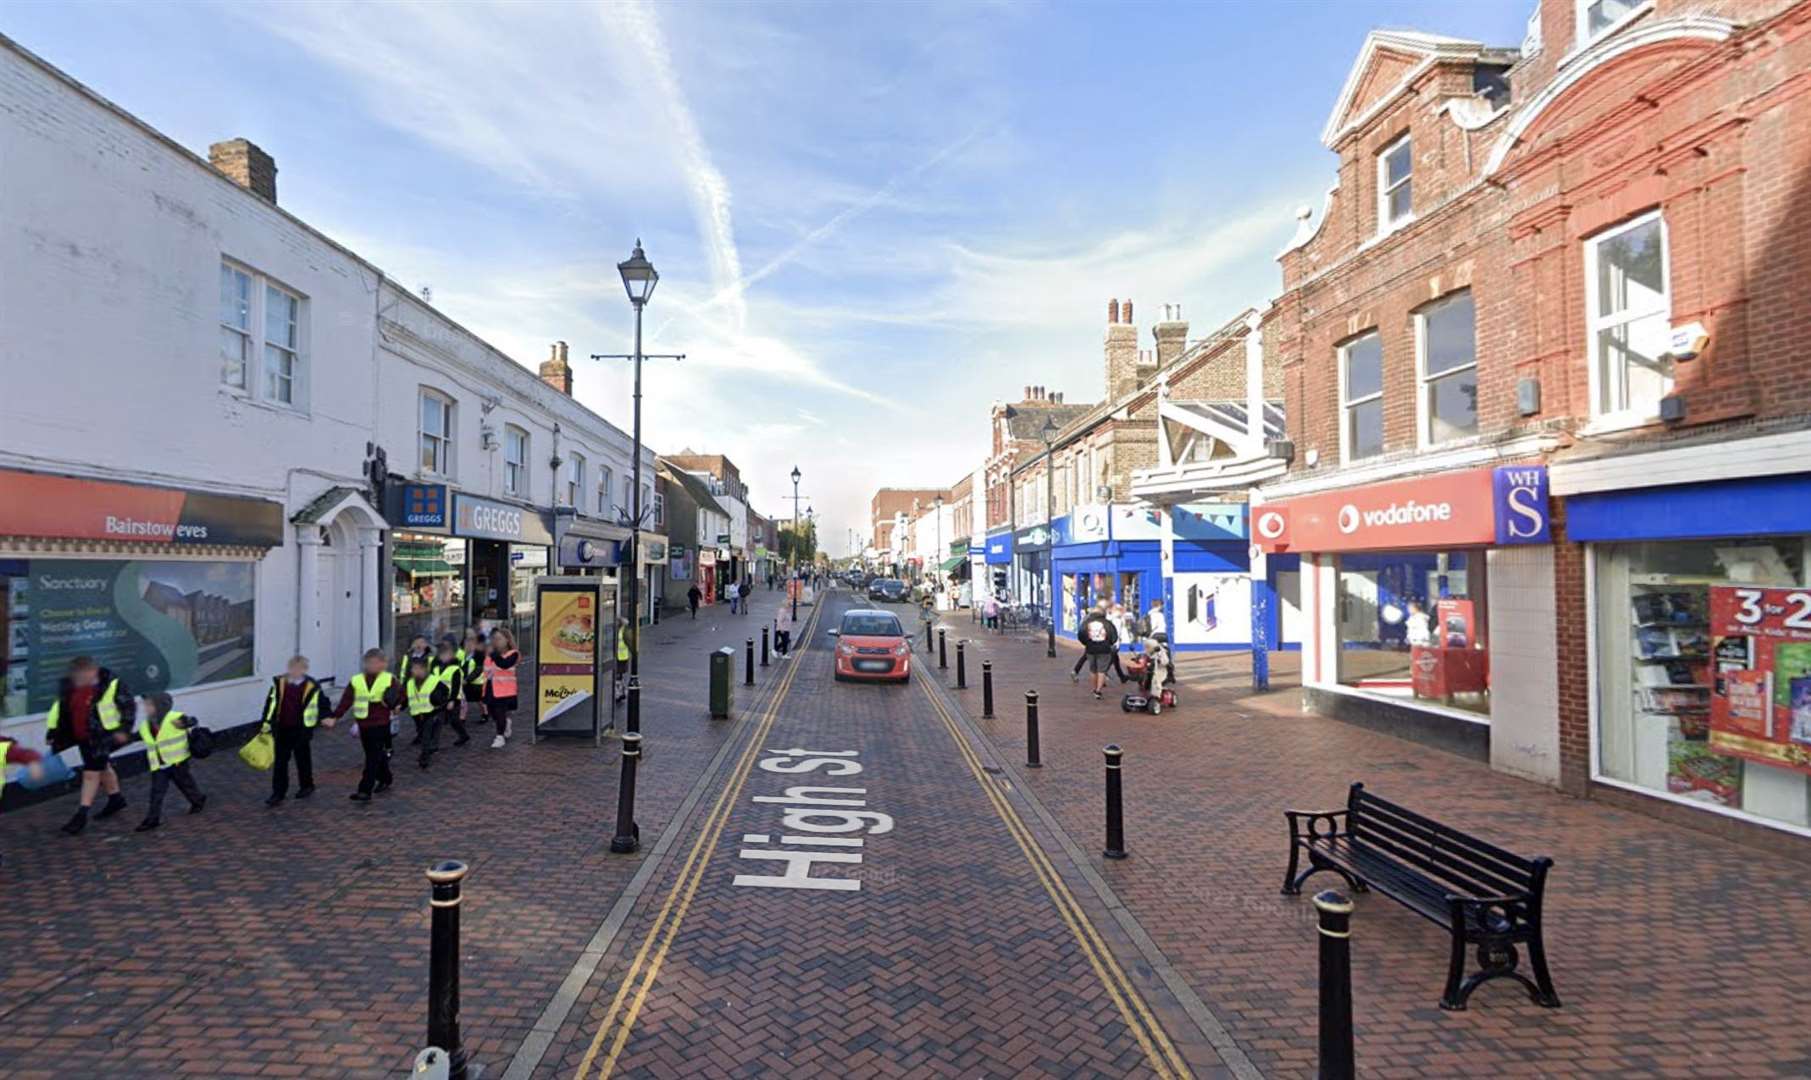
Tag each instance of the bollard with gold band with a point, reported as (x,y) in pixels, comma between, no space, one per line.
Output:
(443,967)
(1336,986)
(1116,819)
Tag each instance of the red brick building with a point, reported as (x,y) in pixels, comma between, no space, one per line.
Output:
(1577,265)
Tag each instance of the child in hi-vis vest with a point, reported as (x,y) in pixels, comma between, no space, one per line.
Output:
(165,733)
(426,693)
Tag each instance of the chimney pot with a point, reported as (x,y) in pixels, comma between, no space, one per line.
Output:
(556,372)
(1127,311)
(1113,311)
(246,165)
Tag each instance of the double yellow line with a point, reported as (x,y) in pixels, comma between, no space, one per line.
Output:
(632,993)
(1158,1049)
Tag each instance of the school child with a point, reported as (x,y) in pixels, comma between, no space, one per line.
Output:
(427,695)
(165,733)
(292,710)
(471,657)
(11,753)
(370,697)
(420,648)
(451,672)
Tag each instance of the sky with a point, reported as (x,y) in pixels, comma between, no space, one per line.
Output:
(871,220)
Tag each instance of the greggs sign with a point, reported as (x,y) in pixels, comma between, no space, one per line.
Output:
(1476,508)
(64,507)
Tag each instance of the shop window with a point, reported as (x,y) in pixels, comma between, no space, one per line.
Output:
(1395,185)
(575,480)
(436,433)
(1361,397)
(515,461)
(1448,361)
(1660,661)
(427,587)
(1411,626)
(1628,312)
(159,625)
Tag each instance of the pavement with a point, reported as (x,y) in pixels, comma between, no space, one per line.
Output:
(965,924)
(1674,952)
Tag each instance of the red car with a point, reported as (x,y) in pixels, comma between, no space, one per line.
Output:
(872,645)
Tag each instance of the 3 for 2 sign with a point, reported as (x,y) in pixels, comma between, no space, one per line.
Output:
(818,825)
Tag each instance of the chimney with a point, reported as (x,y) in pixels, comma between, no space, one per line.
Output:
(246,165)
(556,372)
(1171,335)
(1113,311)
(1122,354)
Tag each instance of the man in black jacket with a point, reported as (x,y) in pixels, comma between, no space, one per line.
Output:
(1100,640)
(93,711)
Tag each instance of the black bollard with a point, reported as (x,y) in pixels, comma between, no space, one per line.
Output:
(628,834)
(987,689)
(1336,986)
(1033,760)
(962,665)
(1116,818)
(943,649)
(633,720)
(748,663)
(764,646)
(927,637)
(443,965)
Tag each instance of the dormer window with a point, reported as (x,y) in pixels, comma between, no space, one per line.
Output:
(1395,185)
(1599,17)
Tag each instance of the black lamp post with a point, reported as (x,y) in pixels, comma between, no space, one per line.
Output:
(792,556)
(1048,434)
(639,278)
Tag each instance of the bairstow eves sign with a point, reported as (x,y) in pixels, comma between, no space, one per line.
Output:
(1477,508)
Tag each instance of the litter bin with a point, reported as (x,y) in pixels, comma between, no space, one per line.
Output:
(723,668)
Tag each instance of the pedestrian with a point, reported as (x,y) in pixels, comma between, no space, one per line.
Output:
(990,612)
(500,684)
(1100,645)
(692,596)
(165,733)
(748,586)
(450,670)
(292,709)
(11,753)
(427,696)
(471,659)
(93,711)
(735,596)
(1155,628)
(370,697)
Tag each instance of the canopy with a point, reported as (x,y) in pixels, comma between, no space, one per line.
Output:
(953,562)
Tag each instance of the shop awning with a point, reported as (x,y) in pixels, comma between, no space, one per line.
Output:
(424,564)
(953,562)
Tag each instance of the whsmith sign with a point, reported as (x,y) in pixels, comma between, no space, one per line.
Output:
(1476,508)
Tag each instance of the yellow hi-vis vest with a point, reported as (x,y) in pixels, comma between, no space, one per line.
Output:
(169,746)
(421,694)
(5,745)
(311,703)
(622,649)
(367,689)
(106,706)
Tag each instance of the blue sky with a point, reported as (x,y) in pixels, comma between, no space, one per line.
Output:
(871,220)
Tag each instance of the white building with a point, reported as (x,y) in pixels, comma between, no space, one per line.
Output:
(192,485)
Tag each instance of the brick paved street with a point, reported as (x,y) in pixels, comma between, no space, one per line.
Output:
(250,941)
(1675,953)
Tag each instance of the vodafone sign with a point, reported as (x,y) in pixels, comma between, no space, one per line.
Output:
(1443,510)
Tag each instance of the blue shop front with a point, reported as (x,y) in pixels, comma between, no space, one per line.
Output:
(1114,553)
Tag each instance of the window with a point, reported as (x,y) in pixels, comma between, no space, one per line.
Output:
(604,509)
(275,323)
(1628,311)
(628,506)
(1395,185)
(1361,397)
(235,324)
(647,503)
(436,434)
(1446,340)
(282,338)
(1411,625)
(1598,17)
(660,510)
(515,461)
(575,480)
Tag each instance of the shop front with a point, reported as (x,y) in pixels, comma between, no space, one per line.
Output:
(167,588)
(1031,567)
(707,573)
(1700,614)
(997,562)
(470,563)
(1398,582)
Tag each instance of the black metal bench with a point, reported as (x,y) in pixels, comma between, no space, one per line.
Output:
(1481,894)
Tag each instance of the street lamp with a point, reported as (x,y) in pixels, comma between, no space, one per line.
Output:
(792,558)
(639,278)
(1048,434)
(937,552)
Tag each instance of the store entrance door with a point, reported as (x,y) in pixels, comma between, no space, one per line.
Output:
(489,595)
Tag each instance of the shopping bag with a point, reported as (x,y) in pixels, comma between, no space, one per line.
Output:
(51,770)
(260,752)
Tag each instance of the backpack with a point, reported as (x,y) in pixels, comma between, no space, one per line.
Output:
(201,742)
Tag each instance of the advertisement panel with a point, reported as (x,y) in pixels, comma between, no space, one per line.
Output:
(1760,703)
(570,621)
(1211,609)
(159,625)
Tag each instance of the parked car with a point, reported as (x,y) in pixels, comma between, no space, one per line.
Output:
(887,590)
(872,645)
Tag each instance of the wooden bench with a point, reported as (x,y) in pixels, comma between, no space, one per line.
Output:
(1482,895)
